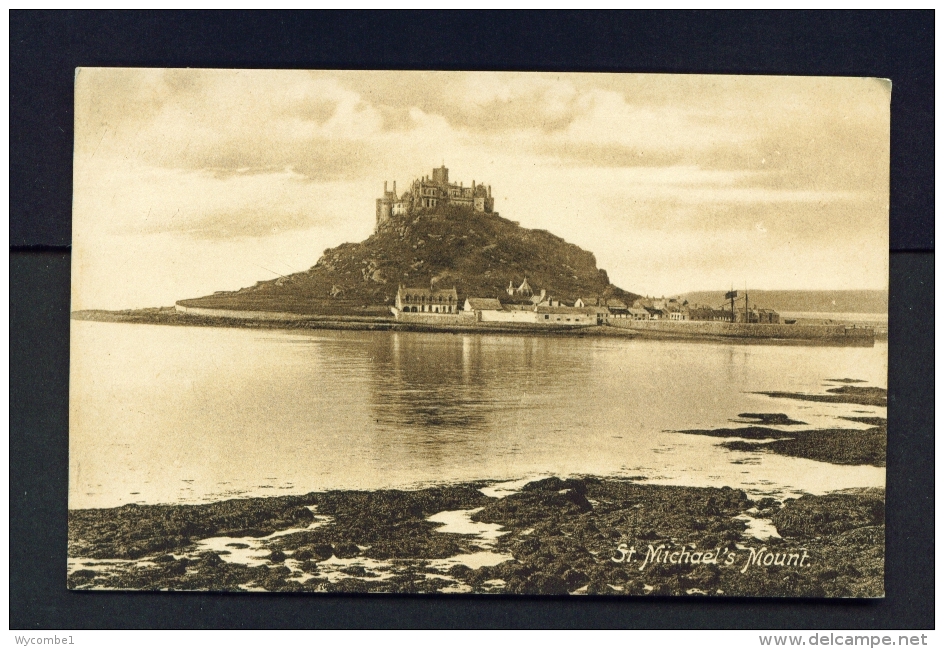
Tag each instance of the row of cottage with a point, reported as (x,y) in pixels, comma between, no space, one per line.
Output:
(517,308)
(523,305)
(677,309)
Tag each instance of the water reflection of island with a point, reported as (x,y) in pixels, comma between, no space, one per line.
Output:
(436,392)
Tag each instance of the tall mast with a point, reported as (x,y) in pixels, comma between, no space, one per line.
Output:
(747,316)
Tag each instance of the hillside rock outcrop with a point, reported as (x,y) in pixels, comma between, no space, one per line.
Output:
(477,253)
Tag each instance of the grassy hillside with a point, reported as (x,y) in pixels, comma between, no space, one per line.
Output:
(477,253)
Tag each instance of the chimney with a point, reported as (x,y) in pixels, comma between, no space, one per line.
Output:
(489,191)
(394,187)
(385,187)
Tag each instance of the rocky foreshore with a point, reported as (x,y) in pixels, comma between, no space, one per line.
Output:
(833,445)
(550,536)
(851,394)
(853,446)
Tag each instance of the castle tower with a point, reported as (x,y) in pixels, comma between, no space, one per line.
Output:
(441,175)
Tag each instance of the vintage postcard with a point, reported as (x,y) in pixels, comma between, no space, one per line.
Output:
(448,332)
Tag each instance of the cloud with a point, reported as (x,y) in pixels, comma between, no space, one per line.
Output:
(785,167)
(238,223)
(331,126)
(225,120)
(205,204)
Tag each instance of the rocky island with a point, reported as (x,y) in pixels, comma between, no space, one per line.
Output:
(444,241)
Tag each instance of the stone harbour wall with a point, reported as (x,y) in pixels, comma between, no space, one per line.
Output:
(239,315)
(744,330)
(436,318)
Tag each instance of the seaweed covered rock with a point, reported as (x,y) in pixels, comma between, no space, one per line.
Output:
(812,516)
(316,552)
(538,501)
(559,536)
(135,531)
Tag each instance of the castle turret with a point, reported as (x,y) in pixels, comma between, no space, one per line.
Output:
(385,204)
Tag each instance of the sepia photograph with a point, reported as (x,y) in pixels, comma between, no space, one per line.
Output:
(514,333)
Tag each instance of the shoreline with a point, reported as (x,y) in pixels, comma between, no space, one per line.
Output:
(549,536)
(584,535)
(169,316)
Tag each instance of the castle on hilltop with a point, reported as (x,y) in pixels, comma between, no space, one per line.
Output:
(428,193)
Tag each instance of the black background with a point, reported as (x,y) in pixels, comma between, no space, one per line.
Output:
(46,47)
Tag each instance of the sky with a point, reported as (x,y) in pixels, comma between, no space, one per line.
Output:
(190,181)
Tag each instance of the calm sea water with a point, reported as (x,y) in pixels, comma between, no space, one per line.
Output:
(163,414)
